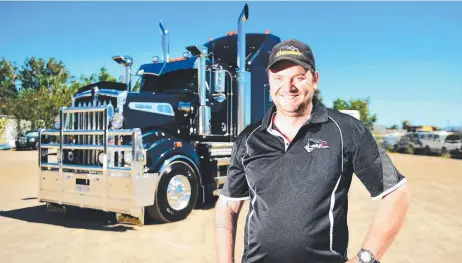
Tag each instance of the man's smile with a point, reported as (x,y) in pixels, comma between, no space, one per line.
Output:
(287,97)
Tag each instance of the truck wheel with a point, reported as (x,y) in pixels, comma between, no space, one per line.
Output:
(427,150)
(176,193)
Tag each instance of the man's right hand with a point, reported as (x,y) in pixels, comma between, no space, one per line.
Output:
(226,216)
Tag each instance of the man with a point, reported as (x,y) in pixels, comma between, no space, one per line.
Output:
(296,168)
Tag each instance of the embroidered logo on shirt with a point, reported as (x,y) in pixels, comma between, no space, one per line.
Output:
(316,143)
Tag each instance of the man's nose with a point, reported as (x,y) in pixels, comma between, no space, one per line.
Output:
(288,86)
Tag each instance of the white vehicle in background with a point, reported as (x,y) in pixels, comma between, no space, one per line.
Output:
(354,113)
(453,144)
(435,142)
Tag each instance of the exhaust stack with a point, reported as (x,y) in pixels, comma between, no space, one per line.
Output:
(165,41)
(243,76)
(201,53)
(127,62)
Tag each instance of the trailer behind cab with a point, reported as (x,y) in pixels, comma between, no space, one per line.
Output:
(159,151)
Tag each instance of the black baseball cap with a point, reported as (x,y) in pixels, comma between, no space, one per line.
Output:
(294,51)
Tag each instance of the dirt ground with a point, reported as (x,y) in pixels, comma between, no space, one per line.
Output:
(28,233)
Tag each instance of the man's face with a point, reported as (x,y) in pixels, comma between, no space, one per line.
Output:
(291,88)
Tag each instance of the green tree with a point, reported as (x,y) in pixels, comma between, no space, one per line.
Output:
(394,127)
(340,104)
(360,105)
(84,80)
(45,87)
(405,124)
(38,73)
(105,76)
(317,94)
(7,84)
(137,87)
(43,90)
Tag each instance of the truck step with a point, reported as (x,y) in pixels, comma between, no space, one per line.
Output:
(220,152)
(56,208)
(220,179)
(218,144)
(223,161)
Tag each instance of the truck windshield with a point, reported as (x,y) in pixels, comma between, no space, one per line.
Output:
(180,81)
(32,134)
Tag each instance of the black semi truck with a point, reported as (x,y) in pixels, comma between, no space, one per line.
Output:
(158,151)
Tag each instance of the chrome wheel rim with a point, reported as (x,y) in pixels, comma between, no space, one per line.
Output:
(179,192)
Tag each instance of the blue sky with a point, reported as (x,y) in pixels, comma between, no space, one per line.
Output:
(406,57)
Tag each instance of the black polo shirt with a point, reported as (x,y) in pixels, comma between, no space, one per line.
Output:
(299,190)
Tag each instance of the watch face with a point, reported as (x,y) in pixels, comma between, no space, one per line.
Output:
(365,257)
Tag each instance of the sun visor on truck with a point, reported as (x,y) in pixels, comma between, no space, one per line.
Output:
(258,47)
(103,85)
(164,68)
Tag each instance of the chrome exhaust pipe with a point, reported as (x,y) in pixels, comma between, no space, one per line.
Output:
(243,76)
(201,53)
(204,110)
(165,41)
(241,37)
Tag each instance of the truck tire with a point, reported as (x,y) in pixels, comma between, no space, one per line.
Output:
(176,193)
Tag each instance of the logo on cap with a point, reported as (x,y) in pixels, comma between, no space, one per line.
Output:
(288,50)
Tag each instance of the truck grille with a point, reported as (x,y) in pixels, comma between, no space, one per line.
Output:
(84,140)
(86,123)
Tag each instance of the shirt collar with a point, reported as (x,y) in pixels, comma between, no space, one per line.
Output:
(318,115)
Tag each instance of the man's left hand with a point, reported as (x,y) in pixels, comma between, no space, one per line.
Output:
(353,260)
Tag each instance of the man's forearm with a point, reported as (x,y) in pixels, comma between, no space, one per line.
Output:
(226,218)
(387,221)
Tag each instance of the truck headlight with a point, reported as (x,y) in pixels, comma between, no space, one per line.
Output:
(57,122)
(128,157)
(101,157)
(117,121)
(70,156)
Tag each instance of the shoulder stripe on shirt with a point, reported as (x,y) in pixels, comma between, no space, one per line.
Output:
(250,187)
(332,197)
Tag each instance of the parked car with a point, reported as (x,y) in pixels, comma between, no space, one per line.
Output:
(410,143)
(453,145)
(389,141)
(434,142)
(30,140)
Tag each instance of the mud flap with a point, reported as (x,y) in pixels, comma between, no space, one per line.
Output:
(128,219)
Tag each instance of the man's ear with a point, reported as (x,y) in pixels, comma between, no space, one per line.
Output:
(316,78)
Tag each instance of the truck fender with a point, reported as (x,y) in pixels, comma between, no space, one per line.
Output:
(162,147)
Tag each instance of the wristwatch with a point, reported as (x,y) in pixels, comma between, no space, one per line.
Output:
(366,256)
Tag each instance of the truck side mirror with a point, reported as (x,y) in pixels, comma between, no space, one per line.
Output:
(219,81)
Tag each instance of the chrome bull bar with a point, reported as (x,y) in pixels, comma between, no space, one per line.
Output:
(106,171)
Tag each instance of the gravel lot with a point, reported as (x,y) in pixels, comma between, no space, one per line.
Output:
(431,233)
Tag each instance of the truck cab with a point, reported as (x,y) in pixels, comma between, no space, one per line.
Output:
(159,151)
